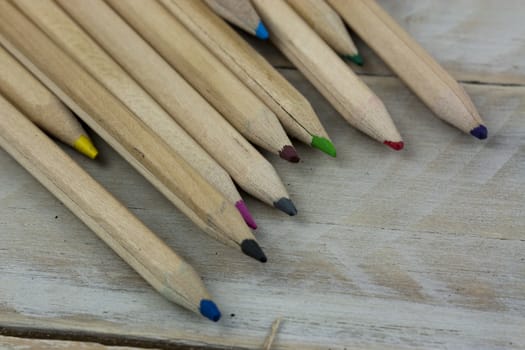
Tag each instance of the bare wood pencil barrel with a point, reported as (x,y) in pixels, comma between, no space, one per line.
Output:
(163,167)
(111,221)
(57,24)
(41,106)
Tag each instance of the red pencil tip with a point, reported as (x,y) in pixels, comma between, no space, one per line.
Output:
(398,146)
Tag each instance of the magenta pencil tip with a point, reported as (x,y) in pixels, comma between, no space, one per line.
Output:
(246,215)
(398,146)
(290,154)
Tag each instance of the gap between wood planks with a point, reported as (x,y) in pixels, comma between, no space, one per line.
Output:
(95,337)
(363,74)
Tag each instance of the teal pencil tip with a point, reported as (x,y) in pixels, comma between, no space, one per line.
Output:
(357,59)
(324,145)
(261,32)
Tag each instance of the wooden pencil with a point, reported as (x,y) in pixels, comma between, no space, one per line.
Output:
(107,116)
(242,14)
(422,74)
(236,155)
(111,221)
(293,109)
(328,73)
(330,27)
(41,106)
(205,72)
(71,38)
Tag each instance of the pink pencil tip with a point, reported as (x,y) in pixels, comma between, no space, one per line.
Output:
(246,215)
(398,146)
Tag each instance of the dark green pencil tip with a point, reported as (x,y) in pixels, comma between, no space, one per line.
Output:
(324,145)
(357,59)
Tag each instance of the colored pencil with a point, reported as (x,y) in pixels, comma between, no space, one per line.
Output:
(111,221)
(107,116)
(328,73)
(242,14)
(71,38)
(330,27)
(41,106)
(418,70)
(205,72)
(293,109)
(236,155)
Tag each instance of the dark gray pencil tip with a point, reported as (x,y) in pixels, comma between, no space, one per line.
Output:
(286,205)
(252,249)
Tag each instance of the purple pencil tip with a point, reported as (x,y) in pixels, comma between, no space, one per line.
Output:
(480,132)
(246,215)
(290,154)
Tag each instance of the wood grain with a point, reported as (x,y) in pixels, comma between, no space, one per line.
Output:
(12,343)
(327,23)
(294,111)
(37,102)
(161,165)
(207,74)
(327,71)
(100,211)
(236,155)
(476,41)
(412,64)
(241,13)
(418,249)
(71,38)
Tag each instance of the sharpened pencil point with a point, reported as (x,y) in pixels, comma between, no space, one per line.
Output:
(290,154)
(261,32)
(84,145)
(209,310)
(286,205)
(480,132)
(246,215)
(324,145)
(398,146)
(252,249)
(357,59)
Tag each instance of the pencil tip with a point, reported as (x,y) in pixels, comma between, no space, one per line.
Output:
(324,145)
(286,205)
(84,145)
(398,146)
(252,249)
(480,132)
(209,310)
(290,154)
(357,59)
(245,213)
(261,32)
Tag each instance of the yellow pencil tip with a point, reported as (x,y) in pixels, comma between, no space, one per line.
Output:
(86,147)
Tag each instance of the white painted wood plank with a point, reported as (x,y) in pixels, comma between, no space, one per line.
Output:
(412,249)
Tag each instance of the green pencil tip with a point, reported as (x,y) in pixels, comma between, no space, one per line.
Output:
(357,59)
(324,145)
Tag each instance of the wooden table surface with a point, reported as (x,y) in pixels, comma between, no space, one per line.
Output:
(423,248)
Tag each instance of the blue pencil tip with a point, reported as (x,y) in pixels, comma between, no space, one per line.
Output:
(261,32)
(480,132)
(209,310)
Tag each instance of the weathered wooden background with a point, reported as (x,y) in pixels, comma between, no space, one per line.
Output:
(423,248)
